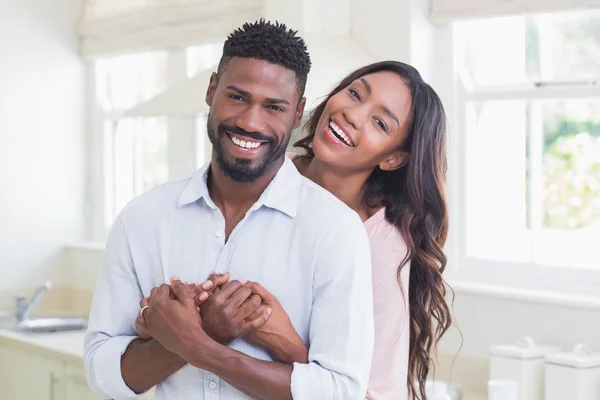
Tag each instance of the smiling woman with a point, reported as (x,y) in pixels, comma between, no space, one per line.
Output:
(378,142)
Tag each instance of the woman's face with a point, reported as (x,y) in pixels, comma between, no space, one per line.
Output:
(365,124)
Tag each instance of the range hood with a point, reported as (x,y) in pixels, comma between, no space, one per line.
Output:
(333,56)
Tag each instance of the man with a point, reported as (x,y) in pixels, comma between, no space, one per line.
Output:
(247,214)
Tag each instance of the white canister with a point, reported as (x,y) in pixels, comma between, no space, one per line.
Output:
(522,362)
(574,375)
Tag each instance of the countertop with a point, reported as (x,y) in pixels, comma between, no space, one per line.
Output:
(65,345)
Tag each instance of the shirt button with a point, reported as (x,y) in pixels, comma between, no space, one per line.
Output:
(212,384)
(218,234)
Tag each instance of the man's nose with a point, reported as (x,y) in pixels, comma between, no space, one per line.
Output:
(251,120)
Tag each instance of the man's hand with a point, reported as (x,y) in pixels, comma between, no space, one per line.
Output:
(277,334)
(172,318)
(201,291)
(225,314)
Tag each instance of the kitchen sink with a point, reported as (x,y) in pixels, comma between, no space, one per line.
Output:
(50,324)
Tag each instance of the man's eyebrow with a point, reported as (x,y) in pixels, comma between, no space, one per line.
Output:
(239,91)
(277,101)
(247,94)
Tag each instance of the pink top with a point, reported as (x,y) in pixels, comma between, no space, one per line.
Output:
(389,370)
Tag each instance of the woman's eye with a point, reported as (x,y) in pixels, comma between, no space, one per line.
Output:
(381,124)
(354,93)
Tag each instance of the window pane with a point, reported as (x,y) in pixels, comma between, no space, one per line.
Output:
(495,190)
(127,80)
(154,140)
(532,181)
(494,58)
(571,165)
(140,162)
(568,46)
(200,58)
(561,47)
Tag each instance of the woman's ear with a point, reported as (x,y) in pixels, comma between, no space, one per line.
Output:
(395,161)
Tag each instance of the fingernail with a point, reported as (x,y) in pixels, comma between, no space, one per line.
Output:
(175,278)
(203,296)
(226,273)
(269,311)
(212,272)
(243,281)
(207,285)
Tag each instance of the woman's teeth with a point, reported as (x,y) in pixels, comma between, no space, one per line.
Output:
(243,144)
(340,133)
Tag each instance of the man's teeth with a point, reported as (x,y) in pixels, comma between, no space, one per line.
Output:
(244,144)
(340,132)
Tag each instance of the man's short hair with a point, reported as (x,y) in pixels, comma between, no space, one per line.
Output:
(274,43)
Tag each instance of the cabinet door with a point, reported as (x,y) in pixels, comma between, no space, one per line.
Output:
(25,375)
(76,386)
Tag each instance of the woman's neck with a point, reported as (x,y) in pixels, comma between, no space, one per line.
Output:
(349,188)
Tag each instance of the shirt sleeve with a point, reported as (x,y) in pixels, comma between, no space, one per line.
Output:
(111,325)
(341,322)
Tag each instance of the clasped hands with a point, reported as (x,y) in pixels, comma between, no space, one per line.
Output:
(181,314)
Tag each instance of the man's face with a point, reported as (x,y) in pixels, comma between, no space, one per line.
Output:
(254,107)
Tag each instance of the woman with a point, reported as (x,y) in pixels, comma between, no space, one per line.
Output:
(378,142)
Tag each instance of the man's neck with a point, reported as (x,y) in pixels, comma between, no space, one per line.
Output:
(237,197)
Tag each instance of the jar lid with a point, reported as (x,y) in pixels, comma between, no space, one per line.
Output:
(582,356)
(523,349)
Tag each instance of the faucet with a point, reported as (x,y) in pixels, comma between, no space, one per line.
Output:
(23,309)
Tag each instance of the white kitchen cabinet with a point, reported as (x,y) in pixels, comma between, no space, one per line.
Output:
(28,374)
(76,387)
(25,375)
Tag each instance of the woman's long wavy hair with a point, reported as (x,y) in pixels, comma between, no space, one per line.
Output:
(415,202)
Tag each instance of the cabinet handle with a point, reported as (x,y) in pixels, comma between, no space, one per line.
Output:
(53,380)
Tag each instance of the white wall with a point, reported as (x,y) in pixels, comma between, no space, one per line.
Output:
(41,137)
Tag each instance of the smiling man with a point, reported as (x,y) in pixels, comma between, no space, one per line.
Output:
(250,214)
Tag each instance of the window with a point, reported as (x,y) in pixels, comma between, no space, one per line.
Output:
(135,149)
(133,154)
(529,104)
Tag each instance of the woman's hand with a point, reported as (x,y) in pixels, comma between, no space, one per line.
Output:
(277,335)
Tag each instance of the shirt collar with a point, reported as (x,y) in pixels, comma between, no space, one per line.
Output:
(282,193)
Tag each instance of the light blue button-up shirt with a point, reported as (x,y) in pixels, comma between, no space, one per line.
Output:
(299,241)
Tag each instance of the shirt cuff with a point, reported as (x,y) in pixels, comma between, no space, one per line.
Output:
(107,368)
(307,382)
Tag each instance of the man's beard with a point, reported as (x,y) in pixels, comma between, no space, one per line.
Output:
(241,170)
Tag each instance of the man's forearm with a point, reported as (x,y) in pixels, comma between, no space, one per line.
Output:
(261,380)
(147,363)
(285,349)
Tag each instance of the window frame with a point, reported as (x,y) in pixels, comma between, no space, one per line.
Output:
(546,284)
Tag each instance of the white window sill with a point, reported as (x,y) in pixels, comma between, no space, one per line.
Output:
(543,297)
(86,245)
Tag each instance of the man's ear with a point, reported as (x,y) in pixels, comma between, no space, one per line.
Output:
(212,88)
(299,112)
(395,161)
